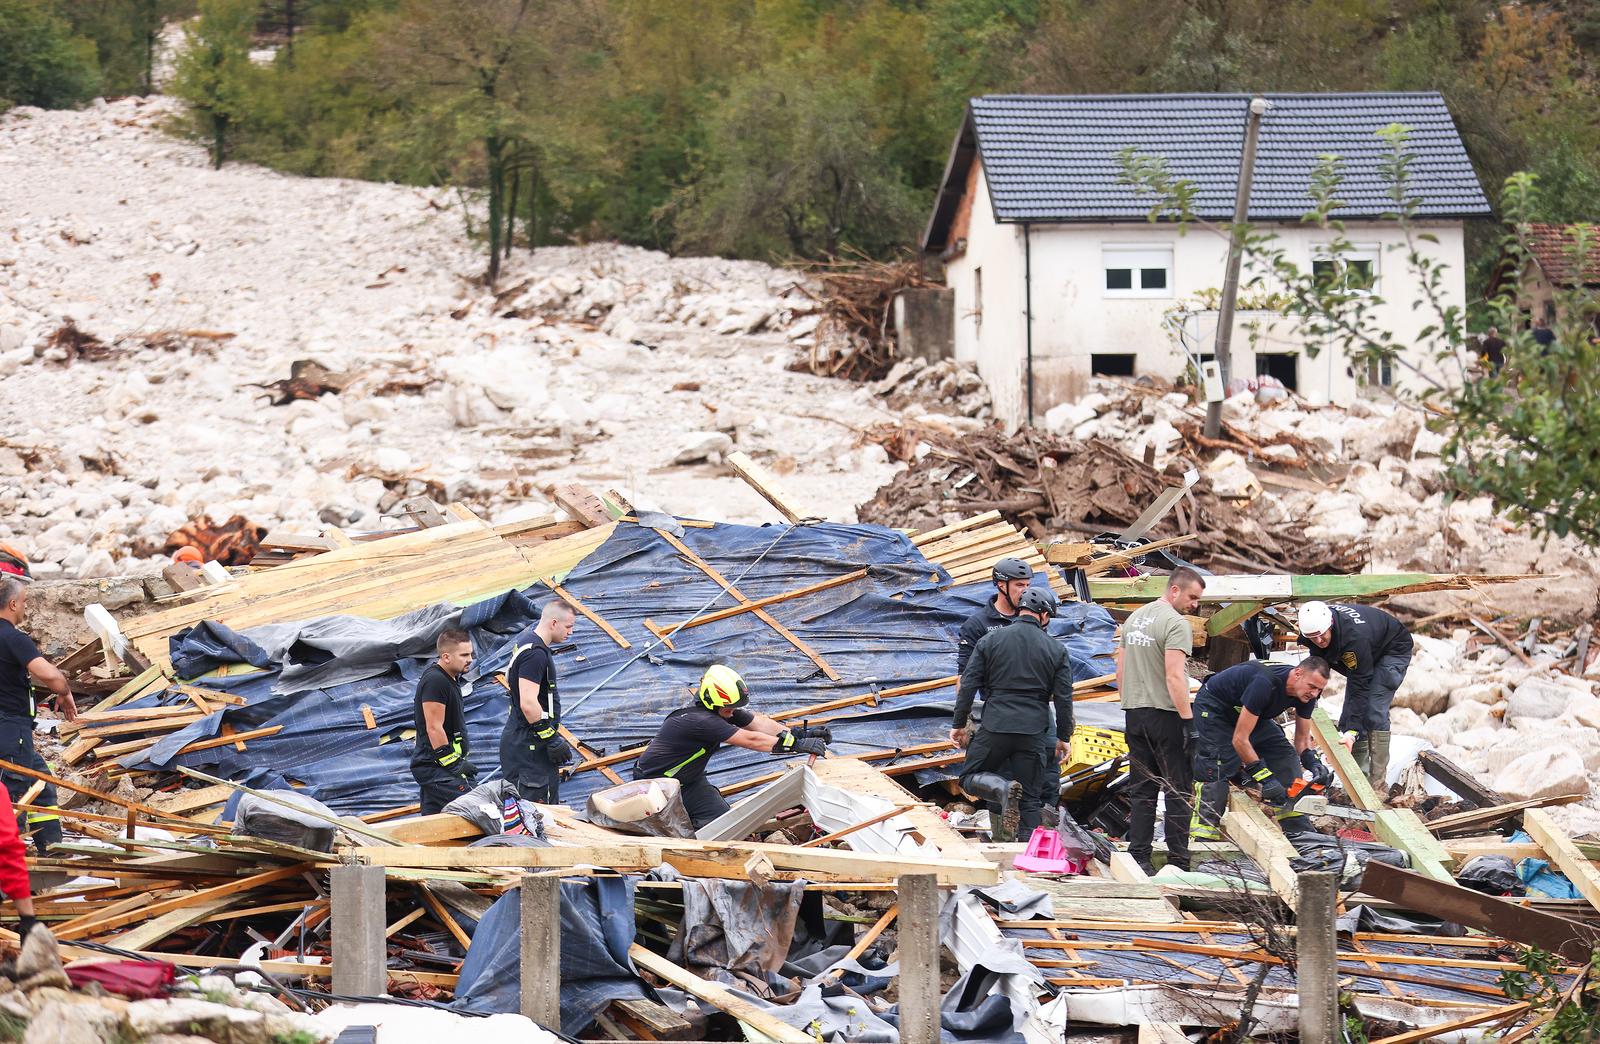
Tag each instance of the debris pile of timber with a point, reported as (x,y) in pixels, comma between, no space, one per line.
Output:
(1052,486)
(855,338)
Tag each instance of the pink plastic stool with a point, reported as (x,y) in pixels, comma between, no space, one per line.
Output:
(1045,855)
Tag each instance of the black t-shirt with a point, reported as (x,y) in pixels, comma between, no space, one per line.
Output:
(435,686)
(534,663)
(1260,688)
(974,627)
(686,742)
(16,652)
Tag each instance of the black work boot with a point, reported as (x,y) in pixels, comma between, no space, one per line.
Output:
(1005,797)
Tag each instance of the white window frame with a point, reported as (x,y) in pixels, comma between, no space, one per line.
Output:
(1370,252)
(977,299)
(1137,256)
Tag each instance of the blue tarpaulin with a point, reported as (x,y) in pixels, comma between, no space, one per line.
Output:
(895,627)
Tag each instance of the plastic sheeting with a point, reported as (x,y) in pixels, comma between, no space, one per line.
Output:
(597,928)
(893,628)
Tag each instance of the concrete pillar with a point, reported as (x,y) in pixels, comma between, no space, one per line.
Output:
(359,948)
(919,959)
(541,949)
(1317,959)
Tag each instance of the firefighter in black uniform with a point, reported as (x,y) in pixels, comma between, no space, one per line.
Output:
(691,735)
(1373,651)
(1011,577)
(1236,730)
(439,753)
(21,664)
(1021,671)
(532,749)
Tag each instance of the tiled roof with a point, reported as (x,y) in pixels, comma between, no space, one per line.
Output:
(1055,158)
(1554,248)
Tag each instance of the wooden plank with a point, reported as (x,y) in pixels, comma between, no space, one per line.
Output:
(1564,854)
(718,996)
(1480,819)
(869,937)
(590,614)
(766,484)
(761,614)
(1284,586)
(1230,616)
(582,504)
(847,831)
(1402,828)
(367,718)
(1355,783)
(1439,1029)
(284,969)
(1263,841)
(153,931)
(1572,940)
(1461,782)
(761,603)
(96,923)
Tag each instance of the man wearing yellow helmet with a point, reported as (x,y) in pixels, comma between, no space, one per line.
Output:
(691,735)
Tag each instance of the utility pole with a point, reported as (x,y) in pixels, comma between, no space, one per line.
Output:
(1230,281)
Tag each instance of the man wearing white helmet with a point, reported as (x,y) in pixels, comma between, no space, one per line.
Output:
(1372,650)
(720,714)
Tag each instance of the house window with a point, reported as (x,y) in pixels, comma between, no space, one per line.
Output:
(1352,272)
(1380,373)
(1112,364)
(1137,271)
(1285,368)
(977,299)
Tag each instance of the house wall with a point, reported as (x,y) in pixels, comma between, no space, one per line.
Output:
(1075,319)
(999,344)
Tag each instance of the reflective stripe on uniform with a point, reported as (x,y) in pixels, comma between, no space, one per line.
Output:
(673,771)
(42,817)
(454,755)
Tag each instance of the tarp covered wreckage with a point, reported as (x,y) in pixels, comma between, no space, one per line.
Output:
(894,627)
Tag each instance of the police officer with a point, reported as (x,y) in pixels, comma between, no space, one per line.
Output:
(691,735)
(1021,670)
(532,749)
(1011,577)
(21,664)
(439,753)
(1235,728)
(1373,651)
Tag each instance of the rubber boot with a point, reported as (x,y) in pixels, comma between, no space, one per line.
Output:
(1006,798)
(1361,751)
(1380,764)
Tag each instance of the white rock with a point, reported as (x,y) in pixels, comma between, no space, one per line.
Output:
(389,460)
(1547,772)
(98,563)
(1538,698)
(1064,417)
(696,446)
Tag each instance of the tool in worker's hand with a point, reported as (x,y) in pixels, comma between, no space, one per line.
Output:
(1317,805)
(1320,779)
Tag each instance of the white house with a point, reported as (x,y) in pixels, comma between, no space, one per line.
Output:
(1058,272)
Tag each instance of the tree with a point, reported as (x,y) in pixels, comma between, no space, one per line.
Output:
(494,77)
(125,35)
(214,70)
(1528,436)
(42,62)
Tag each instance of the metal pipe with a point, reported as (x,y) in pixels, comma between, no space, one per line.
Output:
(1230,280)
(1027,308)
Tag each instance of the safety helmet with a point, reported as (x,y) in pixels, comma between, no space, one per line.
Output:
(1039,600)
(1010,569)
(1315,617)
(14,563)
(721,687)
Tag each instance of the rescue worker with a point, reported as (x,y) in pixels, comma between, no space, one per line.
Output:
(1021,670)
(14,881)
(692,735)
(1235,715)
(21,664)
(1154,687)
(1373,651)
(532,749)
(439,753)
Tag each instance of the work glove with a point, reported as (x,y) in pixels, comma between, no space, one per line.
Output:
(789,743)
(465,769)
(821,732)
(446,757)
(1312,763)
(1189,738)
(26,925)
(1272,791)
(559,751)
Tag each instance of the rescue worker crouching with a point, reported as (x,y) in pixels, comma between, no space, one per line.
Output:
(1021,671)
(21,664)
(691,735)
(1373,651)
(532,749)
(1236,733)
(439,753)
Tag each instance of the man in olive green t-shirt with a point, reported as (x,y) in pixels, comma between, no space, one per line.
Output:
(1156,643)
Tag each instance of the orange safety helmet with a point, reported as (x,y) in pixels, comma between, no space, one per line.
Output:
(14,562)
(190,554)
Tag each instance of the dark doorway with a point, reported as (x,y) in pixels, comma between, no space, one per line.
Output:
(1286,368)
(1117,365)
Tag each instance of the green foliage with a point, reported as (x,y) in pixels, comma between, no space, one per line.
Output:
(42,62)
(214,71)
(125,33)
(1571,1014)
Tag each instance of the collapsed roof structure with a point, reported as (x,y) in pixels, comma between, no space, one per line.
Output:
(261,745)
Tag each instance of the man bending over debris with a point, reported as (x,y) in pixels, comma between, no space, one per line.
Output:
(1235,715)
(1011,577)
(532,749)
(1021,670)
(20,665)
(1156,643)
(691,735)
(439,753)
(1373,651)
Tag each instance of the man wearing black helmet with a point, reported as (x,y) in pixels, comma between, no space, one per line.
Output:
(1021,671)
(1011,577)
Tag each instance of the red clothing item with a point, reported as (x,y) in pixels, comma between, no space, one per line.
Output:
(13,865)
